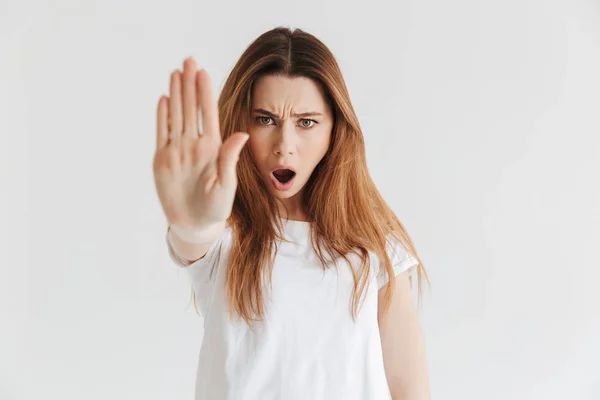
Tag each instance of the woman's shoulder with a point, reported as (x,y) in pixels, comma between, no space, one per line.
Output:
(400,258)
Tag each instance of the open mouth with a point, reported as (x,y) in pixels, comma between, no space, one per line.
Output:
(284,175)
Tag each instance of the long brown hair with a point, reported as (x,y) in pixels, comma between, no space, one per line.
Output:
(347,212)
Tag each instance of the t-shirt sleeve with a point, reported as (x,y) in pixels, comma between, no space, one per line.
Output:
(202,272)
(401,261)
(208,258)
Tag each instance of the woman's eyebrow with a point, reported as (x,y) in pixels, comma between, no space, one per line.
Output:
(270,114)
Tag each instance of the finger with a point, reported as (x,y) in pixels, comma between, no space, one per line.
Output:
(208,106)
(190,110)
(229,155)
(162,126)
(175,111)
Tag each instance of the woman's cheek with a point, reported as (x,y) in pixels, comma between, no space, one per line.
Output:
(254,145)
(257,150)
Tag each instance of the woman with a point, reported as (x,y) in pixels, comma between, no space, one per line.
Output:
(298,266)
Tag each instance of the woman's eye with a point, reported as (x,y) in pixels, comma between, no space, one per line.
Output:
(311,121)
(305,123)
(262,120)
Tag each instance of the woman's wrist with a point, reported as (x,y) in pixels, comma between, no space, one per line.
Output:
(198,235)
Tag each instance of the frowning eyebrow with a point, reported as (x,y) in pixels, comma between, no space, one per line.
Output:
(270,114)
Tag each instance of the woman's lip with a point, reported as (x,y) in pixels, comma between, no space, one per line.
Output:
(283,167)
(282,186)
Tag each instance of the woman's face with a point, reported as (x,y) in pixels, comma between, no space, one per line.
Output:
(290,126)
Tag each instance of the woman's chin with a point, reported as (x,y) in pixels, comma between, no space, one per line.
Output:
(283,195)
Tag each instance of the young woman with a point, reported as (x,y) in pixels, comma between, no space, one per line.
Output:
(298,266)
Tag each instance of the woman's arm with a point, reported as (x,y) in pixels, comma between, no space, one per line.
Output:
(403,344)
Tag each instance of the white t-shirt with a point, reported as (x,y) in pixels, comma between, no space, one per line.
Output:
(307,346)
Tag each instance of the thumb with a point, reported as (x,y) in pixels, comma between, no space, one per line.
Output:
(229,155)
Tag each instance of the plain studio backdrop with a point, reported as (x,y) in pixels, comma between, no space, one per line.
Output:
(482,126)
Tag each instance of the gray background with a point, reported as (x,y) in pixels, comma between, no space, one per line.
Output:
(481,123)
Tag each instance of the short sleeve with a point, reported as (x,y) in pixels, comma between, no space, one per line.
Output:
(202,273)
(209,258)
(401,261)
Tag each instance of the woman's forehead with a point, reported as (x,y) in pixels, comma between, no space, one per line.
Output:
(278,93)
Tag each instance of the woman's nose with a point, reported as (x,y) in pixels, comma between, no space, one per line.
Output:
(285,141)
